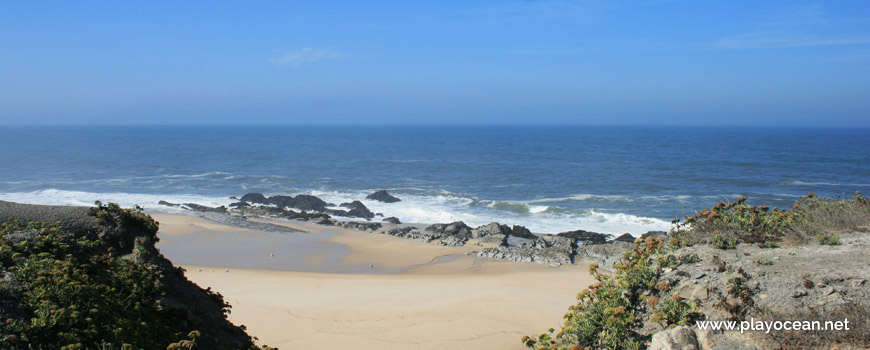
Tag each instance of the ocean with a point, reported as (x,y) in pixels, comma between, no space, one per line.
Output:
(549,179)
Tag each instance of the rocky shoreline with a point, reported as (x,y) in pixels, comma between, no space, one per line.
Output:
(512,243)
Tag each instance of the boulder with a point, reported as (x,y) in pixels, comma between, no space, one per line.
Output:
(493,228)
(361,226)
(586,237)
(239,204)
(625,237)
(496,239)
(522,232)
(677,338)
(383,196)
(393,220)
(357,210)
(302,202)
(549,250)
(326,222)
(203,208)
(257,198)
(456,228)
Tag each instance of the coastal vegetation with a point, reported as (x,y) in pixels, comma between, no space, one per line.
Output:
(90,289)
(726,224)
(654,287)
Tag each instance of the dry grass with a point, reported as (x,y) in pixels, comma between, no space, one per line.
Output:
(857,337)
(810,217)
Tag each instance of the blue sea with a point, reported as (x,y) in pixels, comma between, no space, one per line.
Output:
(550,179)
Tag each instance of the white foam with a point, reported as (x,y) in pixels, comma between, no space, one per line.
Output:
(80,198)
(426,209)
(449,207)
(803,183)
(582,197)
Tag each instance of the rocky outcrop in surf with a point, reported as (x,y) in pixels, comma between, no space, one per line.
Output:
(383,196)
(357,210)
(512,243)
(495,228)
(586,236)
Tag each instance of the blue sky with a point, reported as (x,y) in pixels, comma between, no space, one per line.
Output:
(640,62)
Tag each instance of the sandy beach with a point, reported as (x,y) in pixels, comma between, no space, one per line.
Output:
(335,288)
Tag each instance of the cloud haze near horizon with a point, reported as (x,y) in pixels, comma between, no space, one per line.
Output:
(638,62)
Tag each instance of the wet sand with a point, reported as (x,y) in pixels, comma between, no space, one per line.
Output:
(319,292)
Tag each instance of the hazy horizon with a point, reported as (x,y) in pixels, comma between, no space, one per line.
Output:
(584,63)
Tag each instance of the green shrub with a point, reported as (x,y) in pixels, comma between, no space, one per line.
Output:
(676,312)
(721,243)
(72,293)
(738,220)
(608,314)
(741,293)
(746,223)
(763,261)
(113,214)
(768,244)
(828,239)
(79,298)
(690,258)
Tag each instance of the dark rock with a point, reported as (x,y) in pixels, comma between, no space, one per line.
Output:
(383,196)
(197,207)
(562,242)
(168,204)
(239,204)
(453,234)
(587,237)
(358,210)
(521,242)
(260,211)
(501,240)
(625,237)
(231,220)
(361,226)
(401,231)
(257,198)
(522,232)
(393,220)
(456,228)
(301,202)
(326,222)
(550,250)
(493,228)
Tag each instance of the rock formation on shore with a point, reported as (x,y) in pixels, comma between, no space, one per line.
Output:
(452,234)
(357,210)
(549,250)
(383,196)
(513,243)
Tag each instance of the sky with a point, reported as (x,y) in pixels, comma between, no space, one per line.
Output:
(614,62)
